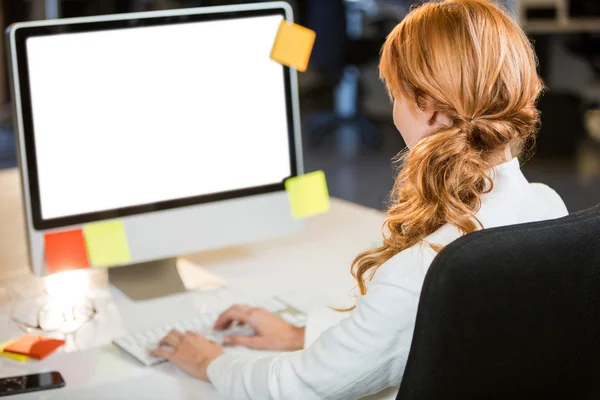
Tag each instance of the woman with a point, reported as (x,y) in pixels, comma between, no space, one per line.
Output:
(463,78)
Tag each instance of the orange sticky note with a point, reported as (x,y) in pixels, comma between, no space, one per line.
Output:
(293,45)
(13,356)
(34,346)
(65,251)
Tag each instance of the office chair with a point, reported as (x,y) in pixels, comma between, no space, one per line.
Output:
(584,8)
(8,156)
(511,313)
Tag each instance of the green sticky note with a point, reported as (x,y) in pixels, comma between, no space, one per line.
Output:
(107,244)
(308,194)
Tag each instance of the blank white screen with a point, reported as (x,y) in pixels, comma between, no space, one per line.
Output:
(136,116)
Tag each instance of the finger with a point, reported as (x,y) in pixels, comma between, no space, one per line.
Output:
(161,352)
(251,342)
(172,339)
(232,314)
(195,339)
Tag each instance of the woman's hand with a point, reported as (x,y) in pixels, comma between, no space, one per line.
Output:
(190,352)
(271,332)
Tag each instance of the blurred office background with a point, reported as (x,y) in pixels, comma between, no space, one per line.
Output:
(347,123)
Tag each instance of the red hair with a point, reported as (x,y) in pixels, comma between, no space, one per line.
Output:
(471,61)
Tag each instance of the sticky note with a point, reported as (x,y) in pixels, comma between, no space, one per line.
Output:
(34,346)
(14,356)
(308,194)
(107,243)
(65,251)
(293,45)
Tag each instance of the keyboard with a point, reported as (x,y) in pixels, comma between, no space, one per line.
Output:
(140,344)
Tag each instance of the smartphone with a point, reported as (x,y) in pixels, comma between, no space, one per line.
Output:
(31,383)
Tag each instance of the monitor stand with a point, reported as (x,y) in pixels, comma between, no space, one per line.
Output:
(148,280)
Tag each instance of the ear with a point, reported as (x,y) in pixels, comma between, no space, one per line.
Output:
(429,115)
(425,112)
(438,118)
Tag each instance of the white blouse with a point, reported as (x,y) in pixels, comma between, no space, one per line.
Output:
(351,355)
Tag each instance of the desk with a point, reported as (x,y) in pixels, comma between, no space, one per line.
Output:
(315,261)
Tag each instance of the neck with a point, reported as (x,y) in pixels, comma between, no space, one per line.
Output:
(501,157)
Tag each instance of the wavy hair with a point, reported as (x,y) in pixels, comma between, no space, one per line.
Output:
(471,61)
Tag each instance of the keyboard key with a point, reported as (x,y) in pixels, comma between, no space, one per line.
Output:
(273,305)
(140,344)
(179,326)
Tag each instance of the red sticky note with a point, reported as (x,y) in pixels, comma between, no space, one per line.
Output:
(34,346)
(65,251)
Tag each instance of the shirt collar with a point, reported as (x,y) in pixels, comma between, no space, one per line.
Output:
(507,174)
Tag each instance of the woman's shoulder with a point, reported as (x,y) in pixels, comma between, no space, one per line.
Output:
(413,262)
(407,268)
(550,199)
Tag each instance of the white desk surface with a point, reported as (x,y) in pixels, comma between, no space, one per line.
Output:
(304,269)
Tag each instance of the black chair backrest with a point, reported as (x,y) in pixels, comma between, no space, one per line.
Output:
(511,313)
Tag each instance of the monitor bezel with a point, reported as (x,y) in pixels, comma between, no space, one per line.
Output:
(88,25)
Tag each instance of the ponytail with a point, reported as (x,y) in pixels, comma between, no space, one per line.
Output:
(441,181)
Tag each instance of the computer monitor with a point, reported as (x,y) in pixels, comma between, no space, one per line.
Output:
(176,122)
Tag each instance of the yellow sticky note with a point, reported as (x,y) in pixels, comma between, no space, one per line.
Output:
(106,244)
(16,357)
(308,194)
(293,45)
